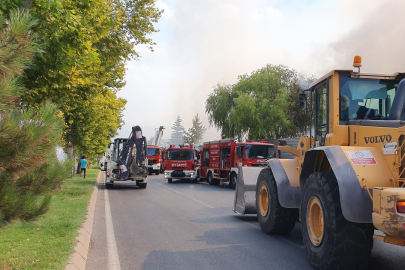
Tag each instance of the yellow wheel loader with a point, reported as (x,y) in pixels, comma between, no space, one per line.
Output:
(348,175)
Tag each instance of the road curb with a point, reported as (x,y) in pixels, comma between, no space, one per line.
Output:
(78,258)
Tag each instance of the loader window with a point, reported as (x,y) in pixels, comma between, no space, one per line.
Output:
(368,98)
(322,114)
(119,145)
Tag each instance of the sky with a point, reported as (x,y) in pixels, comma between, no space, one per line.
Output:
(205,42)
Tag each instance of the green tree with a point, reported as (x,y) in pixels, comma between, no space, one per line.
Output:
(28,136)
(261,105)
(86,44)
(176,136)
(195,134)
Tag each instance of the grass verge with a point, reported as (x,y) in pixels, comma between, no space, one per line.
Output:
(48,242)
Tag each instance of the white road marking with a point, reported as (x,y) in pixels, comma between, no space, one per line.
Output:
(113,260)
(191,198)
(202,203)
(174,190)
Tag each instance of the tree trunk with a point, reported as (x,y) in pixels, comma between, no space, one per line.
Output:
(79,167)
(27,3)
(70,151)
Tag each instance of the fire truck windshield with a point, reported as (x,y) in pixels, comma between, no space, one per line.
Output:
(259,151)
(180,154)
(153,151)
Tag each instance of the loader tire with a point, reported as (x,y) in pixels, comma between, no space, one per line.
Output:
(169,180)
(273,218)
(109,185)
(332,242)
(142,185)
(232,180)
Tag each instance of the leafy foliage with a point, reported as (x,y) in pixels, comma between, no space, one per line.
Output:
(176,136)
(28,137)
(195,134)
(7,5)
(86,46)
(264,104)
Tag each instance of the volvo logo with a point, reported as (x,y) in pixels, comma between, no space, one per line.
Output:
(378,139)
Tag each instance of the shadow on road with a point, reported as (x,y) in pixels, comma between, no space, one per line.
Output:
(233,248)
(203,183)
(237,248)
(117,185)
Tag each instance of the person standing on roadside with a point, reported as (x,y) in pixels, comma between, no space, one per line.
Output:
(83,163)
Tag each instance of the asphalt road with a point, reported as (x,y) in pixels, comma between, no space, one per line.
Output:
(192,226)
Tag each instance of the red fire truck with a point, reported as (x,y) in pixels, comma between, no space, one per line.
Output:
(155,161)
(155,153)
(182,162)
(221,159)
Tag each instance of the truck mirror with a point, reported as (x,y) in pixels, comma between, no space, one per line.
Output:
(303,101)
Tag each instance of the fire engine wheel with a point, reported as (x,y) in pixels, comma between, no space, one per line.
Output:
(157,172)
(232,180)
(195,180)
(273,218)
(330,240)
(211,180)
(169,180)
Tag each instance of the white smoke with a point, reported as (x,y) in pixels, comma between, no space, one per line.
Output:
(202,43)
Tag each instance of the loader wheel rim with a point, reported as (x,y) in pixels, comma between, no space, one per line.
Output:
(315,221)
(263,200)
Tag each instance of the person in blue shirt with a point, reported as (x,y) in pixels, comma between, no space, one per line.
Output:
(83,163)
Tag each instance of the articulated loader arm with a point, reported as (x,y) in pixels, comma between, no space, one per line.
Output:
(290,149)
(129,165)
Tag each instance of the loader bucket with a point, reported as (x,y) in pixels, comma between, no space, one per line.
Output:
(245,192)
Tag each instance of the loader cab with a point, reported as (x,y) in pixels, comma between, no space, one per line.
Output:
(345,98)
(119,145)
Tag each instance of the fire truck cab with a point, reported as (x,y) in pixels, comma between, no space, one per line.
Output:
(222,159)
(182,162)
(155,161)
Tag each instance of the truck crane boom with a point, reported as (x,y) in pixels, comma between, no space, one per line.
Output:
(158,136)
